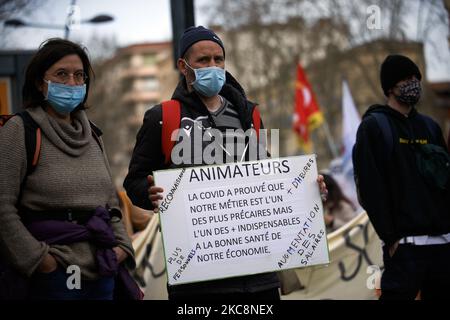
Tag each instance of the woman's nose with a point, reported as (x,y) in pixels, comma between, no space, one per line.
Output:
(71,80)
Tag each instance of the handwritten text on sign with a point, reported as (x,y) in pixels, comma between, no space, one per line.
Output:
(241,218)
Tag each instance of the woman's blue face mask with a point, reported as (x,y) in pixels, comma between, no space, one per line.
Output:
(63,98)
(208,81)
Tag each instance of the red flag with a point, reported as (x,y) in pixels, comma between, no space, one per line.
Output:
(307,115)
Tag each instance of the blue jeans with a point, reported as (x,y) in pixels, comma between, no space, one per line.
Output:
(53,286)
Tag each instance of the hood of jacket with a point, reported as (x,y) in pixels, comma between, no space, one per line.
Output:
(382,108)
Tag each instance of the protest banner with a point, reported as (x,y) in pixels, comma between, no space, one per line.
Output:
(241,218)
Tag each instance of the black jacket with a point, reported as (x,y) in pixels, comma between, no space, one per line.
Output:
(148,157)
(147,154)
(396,197)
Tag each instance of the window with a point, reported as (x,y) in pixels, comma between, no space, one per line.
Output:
(149,60)
(147,83)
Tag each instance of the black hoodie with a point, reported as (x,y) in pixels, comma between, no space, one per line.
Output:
(148,157)
(398,200)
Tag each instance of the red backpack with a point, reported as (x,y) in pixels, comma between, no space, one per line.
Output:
(171,120)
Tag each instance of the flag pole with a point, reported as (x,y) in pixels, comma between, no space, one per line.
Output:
(331,144)
(311,117)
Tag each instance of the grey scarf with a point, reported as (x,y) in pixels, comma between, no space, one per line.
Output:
(72,139)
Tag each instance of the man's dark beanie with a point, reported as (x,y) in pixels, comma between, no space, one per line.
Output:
(195,34)
(396,68)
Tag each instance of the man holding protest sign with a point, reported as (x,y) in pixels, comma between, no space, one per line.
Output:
(206,104)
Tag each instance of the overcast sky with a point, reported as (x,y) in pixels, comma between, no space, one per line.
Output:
(138,21)
(134,21)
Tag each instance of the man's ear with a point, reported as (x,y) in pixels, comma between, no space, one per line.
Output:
(182,66)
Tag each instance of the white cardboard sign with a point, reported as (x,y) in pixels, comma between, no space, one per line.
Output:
(241,218)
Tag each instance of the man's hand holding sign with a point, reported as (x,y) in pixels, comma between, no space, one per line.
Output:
(240,218)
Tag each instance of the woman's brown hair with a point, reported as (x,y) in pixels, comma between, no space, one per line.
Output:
(49,52)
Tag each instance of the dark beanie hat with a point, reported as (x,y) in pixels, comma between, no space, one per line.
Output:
(195,34)
(396,68)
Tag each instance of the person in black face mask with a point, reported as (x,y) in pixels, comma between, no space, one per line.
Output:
(405,199)
(409,92)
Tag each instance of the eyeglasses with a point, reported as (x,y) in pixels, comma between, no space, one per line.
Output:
(63,76)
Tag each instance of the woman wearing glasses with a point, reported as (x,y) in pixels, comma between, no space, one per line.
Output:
(60,227)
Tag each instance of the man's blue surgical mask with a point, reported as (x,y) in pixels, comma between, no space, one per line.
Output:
(63,98)
(208,81)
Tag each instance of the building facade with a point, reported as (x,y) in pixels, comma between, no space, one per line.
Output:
(136,78)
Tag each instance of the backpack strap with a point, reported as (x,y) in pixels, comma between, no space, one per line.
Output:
(4,118)
(33,139)
(171,120)
(96,133)
(431,127)
(256,117)
(386,131)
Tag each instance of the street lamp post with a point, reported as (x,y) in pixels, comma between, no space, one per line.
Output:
(17,23)
(182,18)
